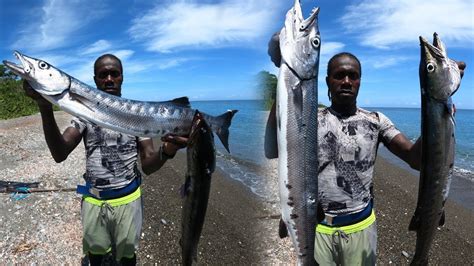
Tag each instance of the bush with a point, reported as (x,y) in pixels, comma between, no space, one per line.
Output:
(13,101)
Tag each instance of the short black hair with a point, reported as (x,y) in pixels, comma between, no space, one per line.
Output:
(111,56)
(336,56)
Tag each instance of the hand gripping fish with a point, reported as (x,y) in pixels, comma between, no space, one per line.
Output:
(439,80)
(296,130)
(201,158)
(138,118)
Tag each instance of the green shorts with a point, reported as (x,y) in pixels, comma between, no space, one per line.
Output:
(112,223)
(347,245)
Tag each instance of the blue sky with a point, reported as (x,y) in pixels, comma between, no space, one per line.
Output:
(210,50)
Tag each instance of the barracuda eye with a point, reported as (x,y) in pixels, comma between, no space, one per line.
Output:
(315,42)
(430,67)
(43,65)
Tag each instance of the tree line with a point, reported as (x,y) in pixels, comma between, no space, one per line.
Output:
(267,85)
(13,101)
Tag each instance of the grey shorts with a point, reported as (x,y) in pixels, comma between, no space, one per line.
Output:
(347,245)
(112,223)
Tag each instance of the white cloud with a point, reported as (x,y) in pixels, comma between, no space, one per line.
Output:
(187,24)
(172,63)
(53,26)
(97,47)
(388,61)
(382,23)
(123,55)
(331,48)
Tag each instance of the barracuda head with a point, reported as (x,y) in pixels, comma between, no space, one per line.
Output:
(43,77)
(439,76)
(300,42)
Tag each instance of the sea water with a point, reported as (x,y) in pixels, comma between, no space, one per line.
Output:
(408,121)
(248,129)
(245,141)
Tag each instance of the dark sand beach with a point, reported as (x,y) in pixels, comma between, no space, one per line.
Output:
(396,192)
(44,228)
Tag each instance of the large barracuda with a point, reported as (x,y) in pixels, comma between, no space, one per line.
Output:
(297,127)
(201,158)
(138,118)
(439,79)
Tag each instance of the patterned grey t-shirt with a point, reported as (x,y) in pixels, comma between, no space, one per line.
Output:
(347,152)
(111,157)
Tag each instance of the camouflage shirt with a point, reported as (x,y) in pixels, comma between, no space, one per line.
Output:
(347,152)
(111,157)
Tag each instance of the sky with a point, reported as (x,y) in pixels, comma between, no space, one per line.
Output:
(212,50)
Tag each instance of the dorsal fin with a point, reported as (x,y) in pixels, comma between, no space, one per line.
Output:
(181,101)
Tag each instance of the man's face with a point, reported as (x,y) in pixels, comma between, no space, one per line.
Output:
(108,76)
(344,80)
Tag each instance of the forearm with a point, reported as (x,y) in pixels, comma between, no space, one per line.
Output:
(406,150)
(152,162)
(53,136)
(415,155)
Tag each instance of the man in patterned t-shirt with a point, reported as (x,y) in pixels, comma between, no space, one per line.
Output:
(112,205)
(348,138)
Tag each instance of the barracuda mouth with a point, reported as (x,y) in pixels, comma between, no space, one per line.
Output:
(298,16)
(432,49)
(22,70)
(310,20)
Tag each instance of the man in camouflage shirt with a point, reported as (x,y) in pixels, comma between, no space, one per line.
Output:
(348,139)
(111,205)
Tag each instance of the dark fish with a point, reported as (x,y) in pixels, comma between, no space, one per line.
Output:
(201,157)
(439,79)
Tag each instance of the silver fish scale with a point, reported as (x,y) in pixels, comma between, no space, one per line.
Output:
(296,109)
(145,119)
(302,163)
(139,118)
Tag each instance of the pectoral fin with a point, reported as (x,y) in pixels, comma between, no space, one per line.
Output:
(282,230)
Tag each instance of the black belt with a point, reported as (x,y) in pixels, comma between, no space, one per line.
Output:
(342,220)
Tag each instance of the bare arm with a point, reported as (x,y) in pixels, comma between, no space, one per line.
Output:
(153,160)
(60,145)
(406,150)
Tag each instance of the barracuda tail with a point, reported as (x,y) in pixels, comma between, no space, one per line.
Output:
(222,131)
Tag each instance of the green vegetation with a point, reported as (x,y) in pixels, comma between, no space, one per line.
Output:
(13,101)
(267,85)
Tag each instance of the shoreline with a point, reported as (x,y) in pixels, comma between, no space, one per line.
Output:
(396,193)
(45,228)
(240,228)
(461,190)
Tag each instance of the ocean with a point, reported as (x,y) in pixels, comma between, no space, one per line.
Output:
(244,163)
(408,121)
(246,156)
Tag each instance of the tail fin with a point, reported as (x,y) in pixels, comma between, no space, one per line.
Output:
(223,131)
